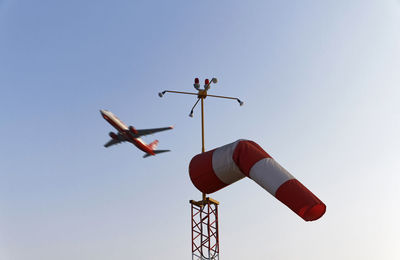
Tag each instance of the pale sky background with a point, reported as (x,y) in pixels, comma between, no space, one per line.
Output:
(320,81)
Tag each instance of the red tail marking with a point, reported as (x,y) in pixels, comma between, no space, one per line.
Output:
(153,145)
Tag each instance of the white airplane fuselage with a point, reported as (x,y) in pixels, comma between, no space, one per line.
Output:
(126,132)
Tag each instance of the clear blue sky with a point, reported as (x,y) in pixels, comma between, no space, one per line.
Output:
(320,81)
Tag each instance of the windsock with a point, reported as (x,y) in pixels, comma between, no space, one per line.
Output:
(218,168)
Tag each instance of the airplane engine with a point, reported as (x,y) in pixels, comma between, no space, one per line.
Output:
(113,135)
(132,130)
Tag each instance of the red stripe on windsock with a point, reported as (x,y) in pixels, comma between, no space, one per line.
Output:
(202,173)
(300,200)
(246,154)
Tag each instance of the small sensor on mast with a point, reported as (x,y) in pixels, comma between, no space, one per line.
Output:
(196,83)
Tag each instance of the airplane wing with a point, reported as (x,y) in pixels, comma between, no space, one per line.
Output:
(141,132)
(113,141)
(156,152)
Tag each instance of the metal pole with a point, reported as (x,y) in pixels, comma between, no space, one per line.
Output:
(203,149)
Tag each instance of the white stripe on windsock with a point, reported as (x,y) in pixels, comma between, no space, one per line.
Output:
(269,174)
(224,166)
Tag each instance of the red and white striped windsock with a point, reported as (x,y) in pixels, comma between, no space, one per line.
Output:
(218,168)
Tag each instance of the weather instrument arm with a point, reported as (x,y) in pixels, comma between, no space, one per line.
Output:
(161,94)
(234,98)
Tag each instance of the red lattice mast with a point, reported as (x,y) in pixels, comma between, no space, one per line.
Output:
(205,240)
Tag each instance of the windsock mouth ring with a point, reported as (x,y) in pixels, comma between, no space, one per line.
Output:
(315,212)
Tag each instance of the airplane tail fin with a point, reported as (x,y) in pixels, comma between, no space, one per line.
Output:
(153,145)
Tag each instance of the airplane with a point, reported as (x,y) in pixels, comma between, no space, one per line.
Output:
(132,135)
